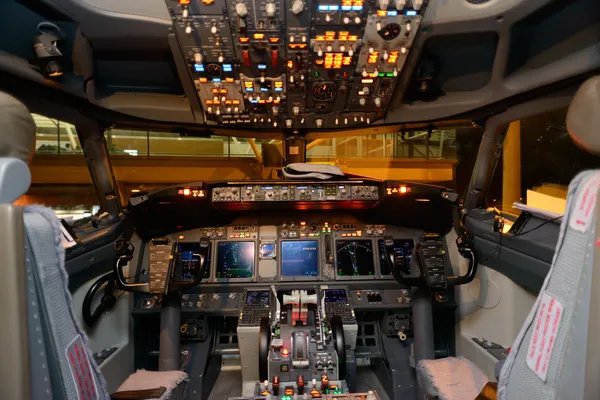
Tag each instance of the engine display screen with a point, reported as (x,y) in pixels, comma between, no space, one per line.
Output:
(299,258)
(190,261)
(335,296)
(403,249)
(355,258)
(235,259)
(258,297)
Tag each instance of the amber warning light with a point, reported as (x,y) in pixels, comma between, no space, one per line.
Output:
(190,192)
(398,190)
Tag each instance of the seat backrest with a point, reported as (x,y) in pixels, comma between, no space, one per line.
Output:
(17,137)
(61,362)
(550,356)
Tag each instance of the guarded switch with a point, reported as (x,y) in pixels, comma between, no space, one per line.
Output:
(241,10)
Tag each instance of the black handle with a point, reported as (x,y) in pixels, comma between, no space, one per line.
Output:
(106,303)
(264,339)
(126,254)
(471,271)
(203,255)
(339,342)
(390,256)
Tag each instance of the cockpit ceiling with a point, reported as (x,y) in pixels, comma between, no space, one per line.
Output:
(315,66)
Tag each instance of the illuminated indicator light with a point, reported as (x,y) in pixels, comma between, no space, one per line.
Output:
(357,8)
(181,237)
(208,2)
(186,192)
(354,234)
(353,38)
(209,102)
(323,8)
(358,2)
(334,8)
(410,13)
(320,38)
(230,80)
(373,75)
(135,190)
(318,62)
(274,39)
(359,233)
(248,84)
(254,101)
(346,8)
(329,33)
(215,91)
(373,58)
(279,89)
(244,39)
(228,102)
(381,13)
(366,81)
(235,102)
(393,13)
(278,84)
(285,352)
(262,66)
(199,67)
(389,74)
(259,36)
(403,189)
(262,89)
(223,91)
(184,2)
(388,191)
(216,79)
(262,101)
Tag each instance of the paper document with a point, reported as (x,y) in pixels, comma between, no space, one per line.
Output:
(538,212)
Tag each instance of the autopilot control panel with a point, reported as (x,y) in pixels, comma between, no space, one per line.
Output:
(295,64)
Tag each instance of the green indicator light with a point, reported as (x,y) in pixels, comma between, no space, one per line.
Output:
(389,74)
(316,74)
(381,74)
(277,331)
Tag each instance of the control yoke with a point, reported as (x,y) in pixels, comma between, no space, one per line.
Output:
(162,266)
(431,267)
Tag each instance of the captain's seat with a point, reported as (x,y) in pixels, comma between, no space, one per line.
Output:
(45,353)
(557,353)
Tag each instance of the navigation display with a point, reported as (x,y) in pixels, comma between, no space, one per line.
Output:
(258,297)
(403,249)
(299,258)
(189,262)
(235,260)
(335,296)
(355,258)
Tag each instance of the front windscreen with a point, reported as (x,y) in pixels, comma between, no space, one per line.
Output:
(355,258)
(299,258)
(235,260)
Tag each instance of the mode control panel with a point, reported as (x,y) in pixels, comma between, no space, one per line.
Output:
(296,192)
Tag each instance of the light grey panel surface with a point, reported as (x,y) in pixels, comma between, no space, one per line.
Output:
(248,337)
(14,346)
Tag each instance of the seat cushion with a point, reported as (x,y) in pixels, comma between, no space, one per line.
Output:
(451,378)
(143,380)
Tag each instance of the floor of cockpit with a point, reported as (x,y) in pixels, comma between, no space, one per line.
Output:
(229,384)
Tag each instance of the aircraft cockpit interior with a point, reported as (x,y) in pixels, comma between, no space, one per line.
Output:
(358,221)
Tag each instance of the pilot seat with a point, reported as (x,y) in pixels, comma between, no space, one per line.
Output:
(46,354)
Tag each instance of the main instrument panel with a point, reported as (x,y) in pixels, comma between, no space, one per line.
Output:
(295,64)
(294,250)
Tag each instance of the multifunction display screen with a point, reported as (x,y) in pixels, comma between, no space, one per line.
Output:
(258,297)
(235,259)
(299,258)
(355,258)
(335,296)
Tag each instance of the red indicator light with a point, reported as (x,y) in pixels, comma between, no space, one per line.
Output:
(285,352)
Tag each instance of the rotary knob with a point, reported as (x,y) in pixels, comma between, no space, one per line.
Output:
(270,9)
(241,10)
(297,6)
(377,102)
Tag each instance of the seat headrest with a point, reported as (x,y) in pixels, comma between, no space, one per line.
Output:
(583,117)
(17,145)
